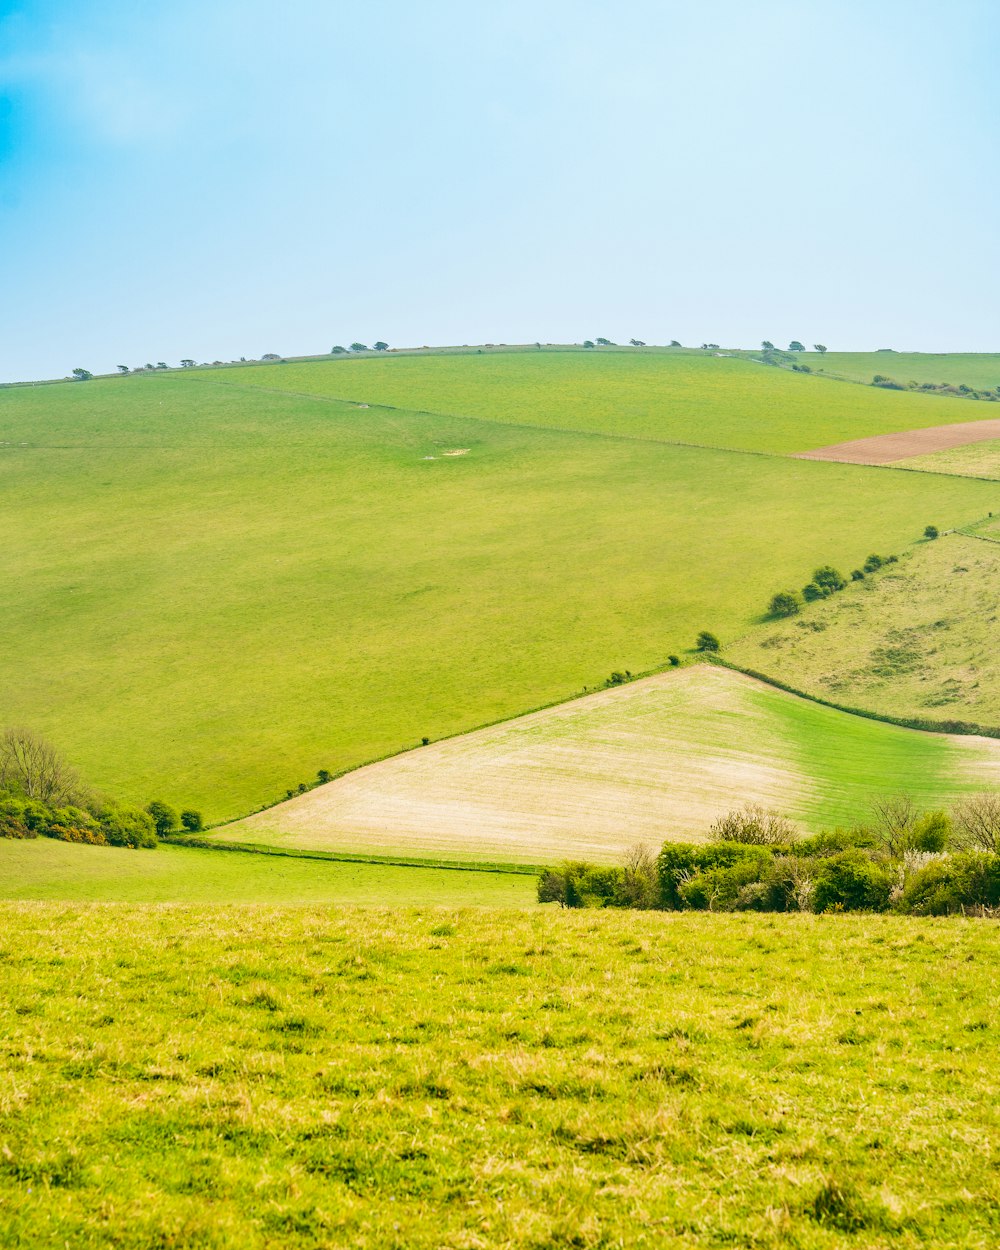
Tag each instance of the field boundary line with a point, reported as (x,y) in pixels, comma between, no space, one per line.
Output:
(918,723)
(348,857)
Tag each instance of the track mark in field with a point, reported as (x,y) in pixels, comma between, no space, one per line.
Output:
(888,448)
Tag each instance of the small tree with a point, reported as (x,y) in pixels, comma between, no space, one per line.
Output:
(191,820)
(767,345)
(707,641)
(164,816)
(323,776)
(977,822)
(32,767)
(381,347)
(931,531)
(674,343)
(604,343)
(795,346)
(785,603)
(187,363)
(873,563)
(338,350)
(828,579)
(819,347)
(587,343)
(162,364)
(122,368)
(82,375)
(636,343)
(811,592)
(358,347)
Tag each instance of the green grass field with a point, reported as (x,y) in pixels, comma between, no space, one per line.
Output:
(659,396)
(655,760)
(298,1078)
(979,370)
(918,639)
(46,869)
(212,592)
(975,460)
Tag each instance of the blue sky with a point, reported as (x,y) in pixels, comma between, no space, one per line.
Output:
(219,179)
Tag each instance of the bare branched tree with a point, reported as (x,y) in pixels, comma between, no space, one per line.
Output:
(754,825)
(977,821)
(640,884)
(893,818)
(31,766)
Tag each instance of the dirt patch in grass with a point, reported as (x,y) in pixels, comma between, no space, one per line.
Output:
(888,448)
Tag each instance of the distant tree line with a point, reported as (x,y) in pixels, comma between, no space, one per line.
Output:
(924,863)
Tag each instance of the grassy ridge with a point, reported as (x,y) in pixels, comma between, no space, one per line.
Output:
(211,592)
(727,402)
(919,639)
(980,370)
(296,1078)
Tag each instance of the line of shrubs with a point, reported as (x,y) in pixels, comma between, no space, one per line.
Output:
(826,581)
(903,860)
(961,391)
(102,824)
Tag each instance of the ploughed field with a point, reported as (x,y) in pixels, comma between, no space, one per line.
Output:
(218,583)
(427,1078)
(655,760)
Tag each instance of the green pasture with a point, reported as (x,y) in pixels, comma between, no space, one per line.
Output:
(980,370)
(661,396)
(917,639)
(46,869)
(302,1078)
(211,592)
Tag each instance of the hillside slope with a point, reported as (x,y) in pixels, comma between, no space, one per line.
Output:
(654,760)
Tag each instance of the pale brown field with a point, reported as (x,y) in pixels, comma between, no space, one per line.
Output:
(656,759)
(888,448)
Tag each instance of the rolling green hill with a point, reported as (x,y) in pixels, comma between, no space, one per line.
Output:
(214,587)
(658,395)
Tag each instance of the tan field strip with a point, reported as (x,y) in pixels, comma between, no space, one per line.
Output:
(657,759)
(887,448)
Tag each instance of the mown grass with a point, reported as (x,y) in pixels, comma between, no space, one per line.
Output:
(306,1078)
(980,370)
(46,869)
(658,759)
(974,460)
(678,397)
(210,592)
(917,639)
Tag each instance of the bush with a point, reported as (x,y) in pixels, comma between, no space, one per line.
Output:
(753,825)
(811,592)
(873,563)
(857,575)
(127,826)
(678,863)
(828,579)
(191,820)
(785,603)
(707,641)
(673,660)
(953,884)
(931,531)
(851,881)
(164,816)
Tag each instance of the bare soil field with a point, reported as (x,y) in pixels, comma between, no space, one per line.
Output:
(888,448)
(656,759)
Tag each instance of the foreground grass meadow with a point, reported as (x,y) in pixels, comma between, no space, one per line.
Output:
(220,583)
(175,1076)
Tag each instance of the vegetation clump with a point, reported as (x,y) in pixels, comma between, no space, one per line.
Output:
(902,860)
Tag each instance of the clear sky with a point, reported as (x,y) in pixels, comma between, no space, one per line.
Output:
(215,179)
